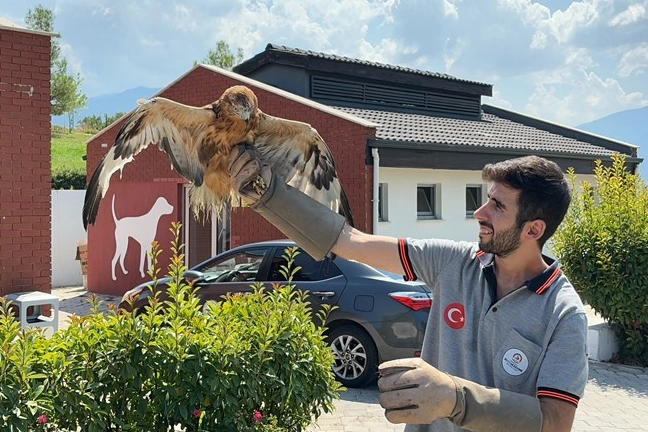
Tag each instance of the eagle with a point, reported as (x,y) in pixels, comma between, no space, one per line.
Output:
(198,142)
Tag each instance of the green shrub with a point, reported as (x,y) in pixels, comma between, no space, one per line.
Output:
(68,179)
(249,363)
(603,247)
(23,386)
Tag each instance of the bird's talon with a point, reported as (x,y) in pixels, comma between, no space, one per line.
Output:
(259,185)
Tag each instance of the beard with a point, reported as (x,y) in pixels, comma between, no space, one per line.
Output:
(502,243)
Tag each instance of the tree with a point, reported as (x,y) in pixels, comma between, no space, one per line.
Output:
(223,57)
(95,123)
(603,247)
(43,19)
(66,88)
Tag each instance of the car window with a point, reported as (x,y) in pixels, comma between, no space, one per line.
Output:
(310,270)
(240,266)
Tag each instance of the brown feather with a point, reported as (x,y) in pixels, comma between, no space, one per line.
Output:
(198,141)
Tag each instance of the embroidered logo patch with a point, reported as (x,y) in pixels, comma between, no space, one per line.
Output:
(455,315)
(515,362)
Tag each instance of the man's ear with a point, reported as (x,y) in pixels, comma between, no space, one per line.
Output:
(535,229)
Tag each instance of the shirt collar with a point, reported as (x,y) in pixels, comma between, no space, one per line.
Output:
(539,284)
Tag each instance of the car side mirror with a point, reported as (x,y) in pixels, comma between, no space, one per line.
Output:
(194,276)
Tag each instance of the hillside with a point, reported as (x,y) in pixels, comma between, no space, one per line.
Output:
(630,126)
(68,150)
(109,104)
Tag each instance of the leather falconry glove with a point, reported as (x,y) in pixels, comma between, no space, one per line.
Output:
(310,224)
(415,392)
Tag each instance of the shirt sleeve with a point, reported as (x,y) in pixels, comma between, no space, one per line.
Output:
(564,371)
(424,259)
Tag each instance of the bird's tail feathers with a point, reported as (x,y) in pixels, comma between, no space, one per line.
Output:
(204,202)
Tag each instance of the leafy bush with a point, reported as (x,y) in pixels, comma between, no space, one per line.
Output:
(249,363)
(603,247)
(68,179)
(23,388)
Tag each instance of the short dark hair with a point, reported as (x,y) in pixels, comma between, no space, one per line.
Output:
(544,191)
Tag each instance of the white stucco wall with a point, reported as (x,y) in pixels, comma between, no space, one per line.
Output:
(401,200)
(67,232)
(454,223)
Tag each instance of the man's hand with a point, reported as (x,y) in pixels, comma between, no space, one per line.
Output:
(248,176)
(414,392)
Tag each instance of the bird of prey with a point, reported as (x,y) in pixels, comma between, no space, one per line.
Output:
(198,141)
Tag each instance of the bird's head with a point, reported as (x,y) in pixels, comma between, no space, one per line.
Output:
(242,100)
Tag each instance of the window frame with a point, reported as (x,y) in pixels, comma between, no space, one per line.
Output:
(482,193)
(383,206)
(435,202)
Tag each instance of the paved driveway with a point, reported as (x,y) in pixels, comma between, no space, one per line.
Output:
(616,399)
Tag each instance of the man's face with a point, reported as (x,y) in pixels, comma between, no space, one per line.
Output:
(499,233)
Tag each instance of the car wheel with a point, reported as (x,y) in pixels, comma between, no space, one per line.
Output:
(356,356)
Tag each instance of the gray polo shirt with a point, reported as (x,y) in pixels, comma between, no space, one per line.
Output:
(532,341)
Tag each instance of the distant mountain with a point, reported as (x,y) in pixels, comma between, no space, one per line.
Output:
(630,126)
(109,104)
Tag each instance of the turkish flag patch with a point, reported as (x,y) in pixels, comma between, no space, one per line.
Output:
(455,315)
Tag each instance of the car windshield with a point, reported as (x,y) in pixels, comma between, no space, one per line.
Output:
(245,263)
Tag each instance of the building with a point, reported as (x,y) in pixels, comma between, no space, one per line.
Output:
(25,159)
(409,147)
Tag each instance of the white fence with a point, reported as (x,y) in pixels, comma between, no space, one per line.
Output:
(67,233)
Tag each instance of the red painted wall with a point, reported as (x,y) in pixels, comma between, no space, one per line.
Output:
(202,86)
(25,163)
(132,199)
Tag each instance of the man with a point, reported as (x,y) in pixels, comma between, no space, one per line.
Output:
(505,346)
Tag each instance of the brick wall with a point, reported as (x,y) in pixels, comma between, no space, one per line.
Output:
(25,162)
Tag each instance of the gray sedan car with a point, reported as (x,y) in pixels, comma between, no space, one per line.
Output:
(379,316)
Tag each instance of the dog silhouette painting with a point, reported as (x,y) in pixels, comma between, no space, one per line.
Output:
(142,229)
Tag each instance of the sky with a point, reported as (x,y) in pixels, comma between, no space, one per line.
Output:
(568,62)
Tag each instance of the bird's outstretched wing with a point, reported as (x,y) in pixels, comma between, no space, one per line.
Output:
(175,128)
(299,156)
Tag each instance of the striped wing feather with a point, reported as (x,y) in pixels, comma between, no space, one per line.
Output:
(299,156)
(175,128)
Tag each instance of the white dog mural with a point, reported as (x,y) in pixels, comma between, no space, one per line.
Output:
(142,229)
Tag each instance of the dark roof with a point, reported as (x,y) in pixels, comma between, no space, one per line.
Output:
(494,132)
(313,60)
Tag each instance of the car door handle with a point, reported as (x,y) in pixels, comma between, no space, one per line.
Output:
(324,294)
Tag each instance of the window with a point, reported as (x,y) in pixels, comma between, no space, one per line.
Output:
(426,202)
(383,216)
(474,198)
(244,263)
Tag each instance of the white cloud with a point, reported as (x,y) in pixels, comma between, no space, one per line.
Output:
(574,97)
(631,15)
(450,9)
(567,61)
(579,15)
(634,61)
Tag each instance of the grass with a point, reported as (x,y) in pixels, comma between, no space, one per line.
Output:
(68,151)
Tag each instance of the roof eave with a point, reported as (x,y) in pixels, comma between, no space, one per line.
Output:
(434,146)
(565,131)
(272,55)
